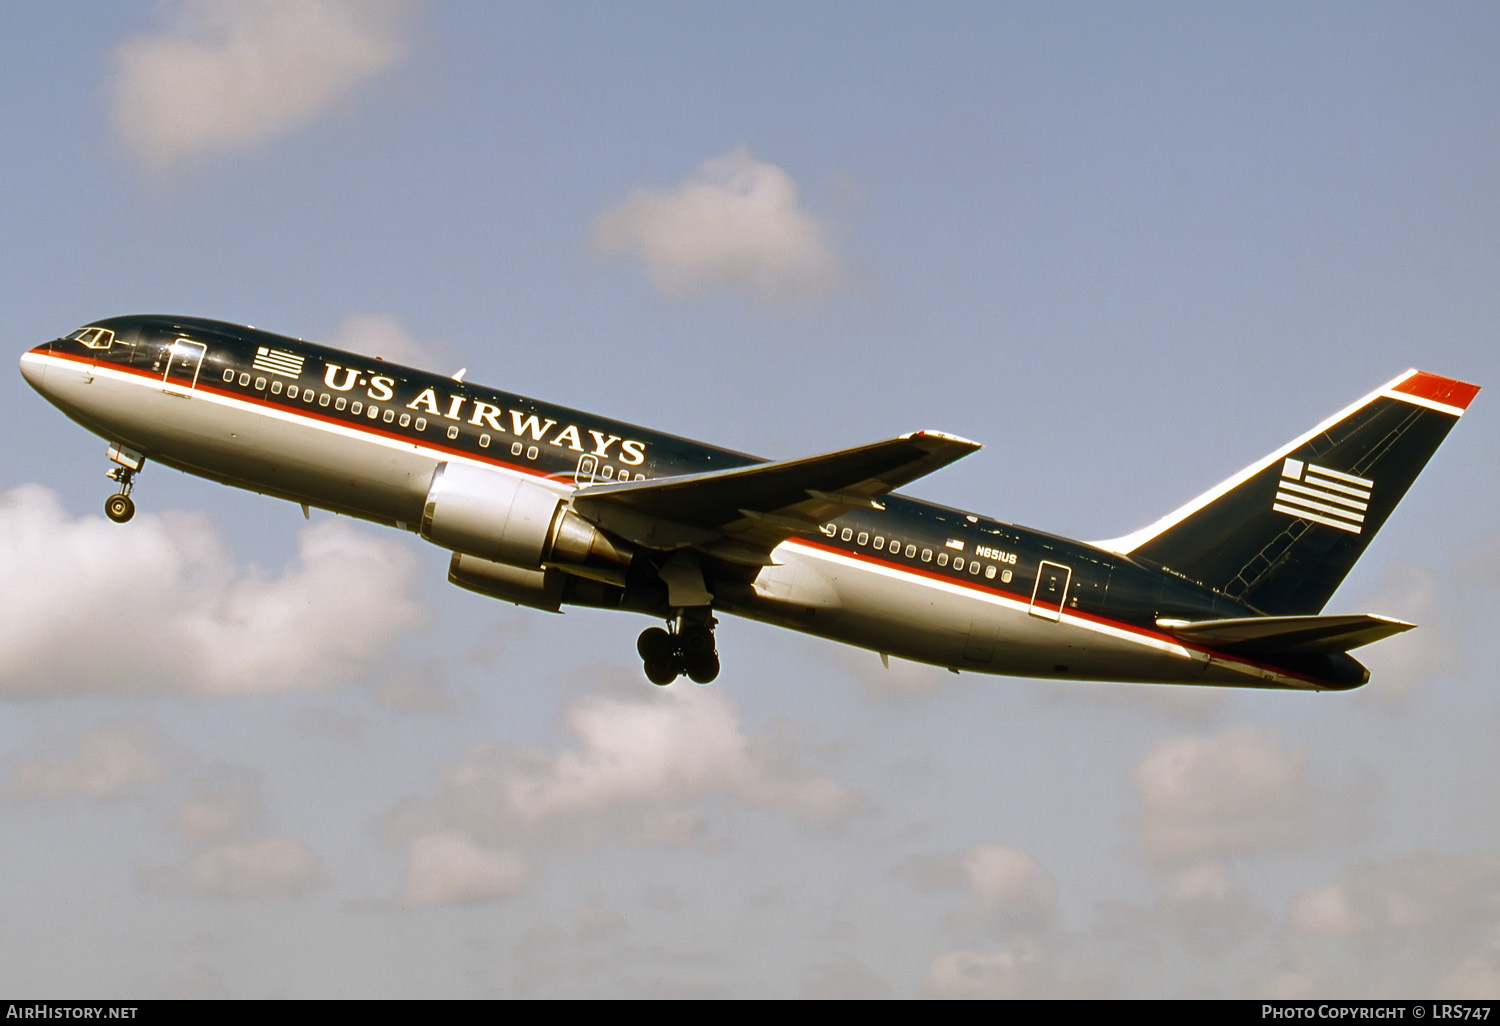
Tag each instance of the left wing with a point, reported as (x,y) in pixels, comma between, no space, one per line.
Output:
(741,514)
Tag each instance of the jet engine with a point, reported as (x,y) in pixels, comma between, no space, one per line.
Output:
(539,589)
(546,589)
(505,519)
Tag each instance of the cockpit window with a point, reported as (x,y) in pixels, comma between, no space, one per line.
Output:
(94,338)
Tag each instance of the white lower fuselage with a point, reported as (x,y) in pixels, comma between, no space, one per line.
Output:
(850,597)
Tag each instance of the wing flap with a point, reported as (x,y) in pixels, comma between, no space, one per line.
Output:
(759,506)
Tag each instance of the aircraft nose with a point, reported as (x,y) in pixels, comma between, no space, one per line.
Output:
(34,365)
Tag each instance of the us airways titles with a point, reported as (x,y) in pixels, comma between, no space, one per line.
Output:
(382,388)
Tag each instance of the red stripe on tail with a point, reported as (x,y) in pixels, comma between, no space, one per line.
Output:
(1439,389)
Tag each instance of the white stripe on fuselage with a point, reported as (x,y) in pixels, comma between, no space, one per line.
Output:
(1020,607)
(1014,606)
(265,408)
(1006,602)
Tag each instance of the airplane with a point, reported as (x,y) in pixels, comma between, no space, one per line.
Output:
(544,506)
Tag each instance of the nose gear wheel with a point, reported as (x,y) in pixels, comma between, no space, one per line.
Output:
(119,507)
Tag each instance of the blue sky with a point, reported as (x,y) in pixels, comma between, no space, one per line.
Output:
(1130,248)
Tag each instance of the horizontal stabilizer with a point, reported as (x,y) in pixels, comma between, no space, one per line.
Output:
(1286,635)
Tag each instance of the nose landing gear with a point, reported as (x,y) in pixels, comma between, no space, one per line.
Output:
(688,648)
(120,507)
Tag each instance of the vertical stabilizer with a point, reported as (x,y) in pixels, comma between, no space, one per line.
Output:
(1281,534)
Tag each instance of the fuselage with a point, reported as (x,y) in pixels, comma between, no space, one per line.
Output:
(364,437)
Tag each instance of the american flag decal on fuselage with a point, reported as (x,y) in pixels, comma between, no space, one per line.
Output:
(278,362)
(1329,497)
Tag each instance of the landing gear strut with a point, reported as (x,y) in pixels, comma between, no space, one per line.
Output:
(119,507)
(687,648)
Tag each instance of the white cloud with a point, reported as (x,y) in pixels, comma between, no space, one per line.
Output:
(109,762)
(736,224)
(222,76)
(158,605)
(1019,971)
(212,815)
(448,868)
(271,867)
(679,744)
(1400,896)
(1423,925)
(1211,796)
(1009,884)
(639,767)
(382,335)
(1476,977)
(232,856)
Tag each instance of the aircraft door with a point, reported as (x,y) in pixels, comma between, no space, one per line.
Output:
(588,470)
(184,359)
(1051,591)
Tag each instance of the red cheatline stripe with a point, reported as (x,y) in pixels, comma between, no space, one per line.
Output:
(1448,391)
(292,406)
(296,408)
(1120,625)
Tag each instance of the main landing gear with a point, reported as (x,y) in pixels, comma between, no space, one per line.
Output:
(687,648)
(119,507)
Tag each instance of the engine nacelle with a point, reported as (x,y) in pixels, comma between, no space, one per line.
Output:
(504,518)
(539,589)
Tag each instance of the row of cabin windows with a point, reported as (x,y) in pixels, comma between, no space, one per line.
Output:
(893,546)
(388,416)
(356,407)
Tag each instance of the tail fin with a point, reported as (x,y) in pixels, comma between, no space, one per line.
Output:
(1281,534)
